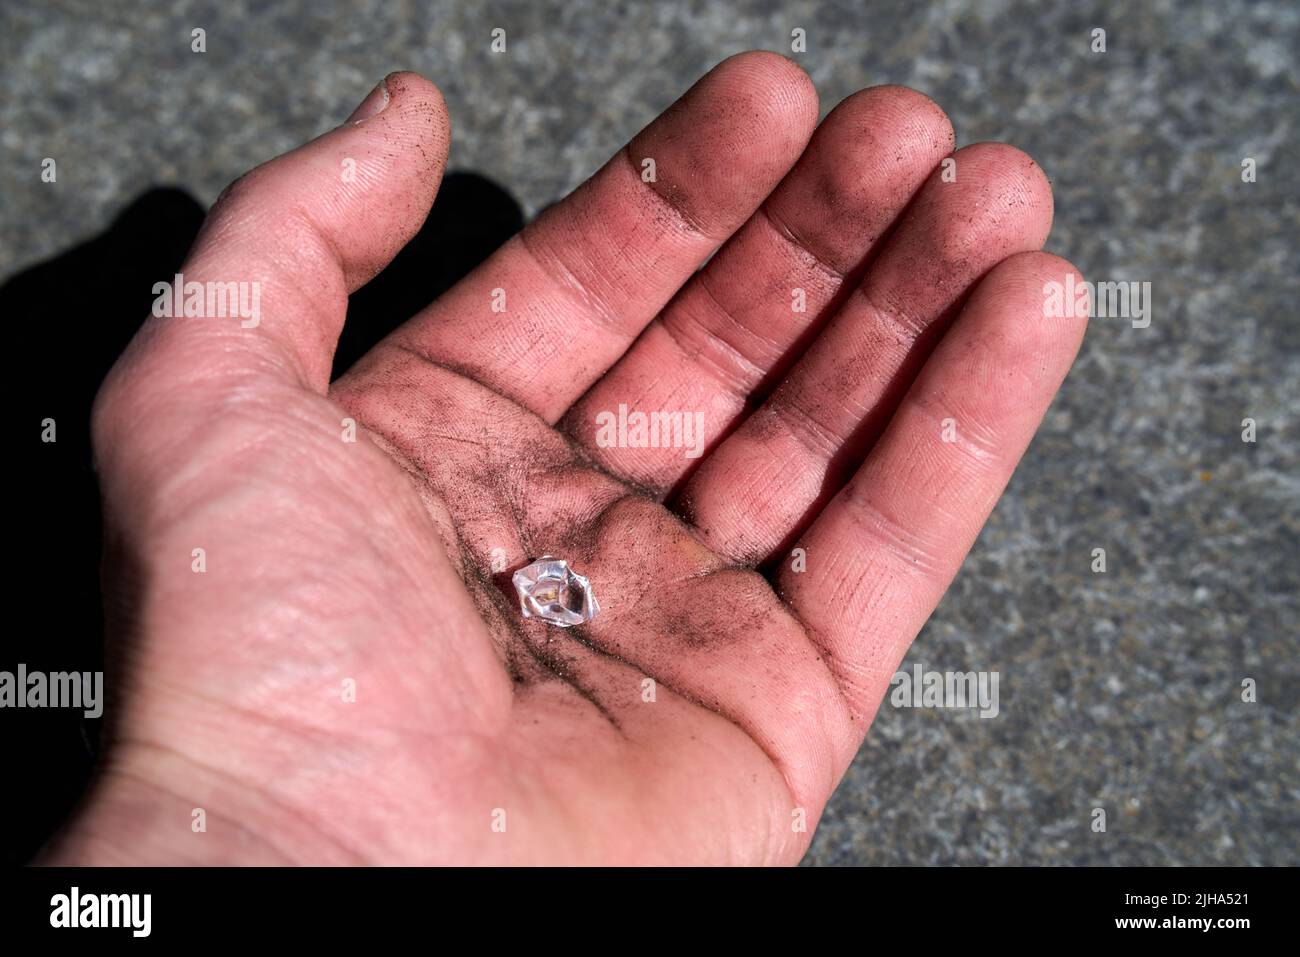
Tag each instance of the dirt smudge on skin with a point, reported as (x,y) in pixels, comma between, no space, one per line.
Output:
(517,489)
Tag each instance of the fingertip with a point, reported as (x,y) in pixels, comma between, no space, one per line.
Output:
(416,108)
(1013,178)
(884,139)
(726,143)
(1045,298)
(1029,269)
(864,164)
(770,85)
(410,88)
(1042,261)
(901,109)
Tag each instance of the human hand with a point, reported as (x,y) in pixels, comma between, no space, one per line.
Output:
(375,566)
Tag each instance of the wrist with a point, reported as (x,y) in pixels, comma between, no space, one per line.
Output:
(131,818)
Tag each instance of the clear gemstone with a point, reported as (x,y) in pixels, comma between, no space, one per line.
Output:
(552,591)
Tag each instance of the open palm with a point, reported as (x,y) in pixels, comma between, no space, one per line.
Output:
(321,657)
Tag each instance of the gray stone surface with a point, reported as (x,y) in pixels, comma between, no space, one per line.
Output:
(1121,690)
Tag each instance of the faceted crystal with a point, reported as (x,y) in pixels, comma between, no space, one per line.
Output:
(552,591)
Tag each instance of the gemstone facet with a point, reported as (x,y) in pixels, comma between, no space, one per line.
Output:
(552,591)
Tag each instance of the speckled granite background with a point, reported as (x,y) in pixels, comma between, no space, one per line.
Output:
(1119,690)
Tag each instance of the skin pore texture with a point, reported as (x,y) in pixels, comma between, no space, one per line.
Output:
(349,680)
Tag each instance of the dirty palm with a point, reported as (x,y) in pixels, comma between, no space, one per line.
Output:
(350,678)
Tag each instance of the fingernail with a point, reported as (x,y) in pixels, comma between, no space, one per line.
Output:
(372,104)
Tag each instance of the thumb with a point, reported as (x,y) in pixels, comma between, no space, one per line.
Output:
(286,243)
